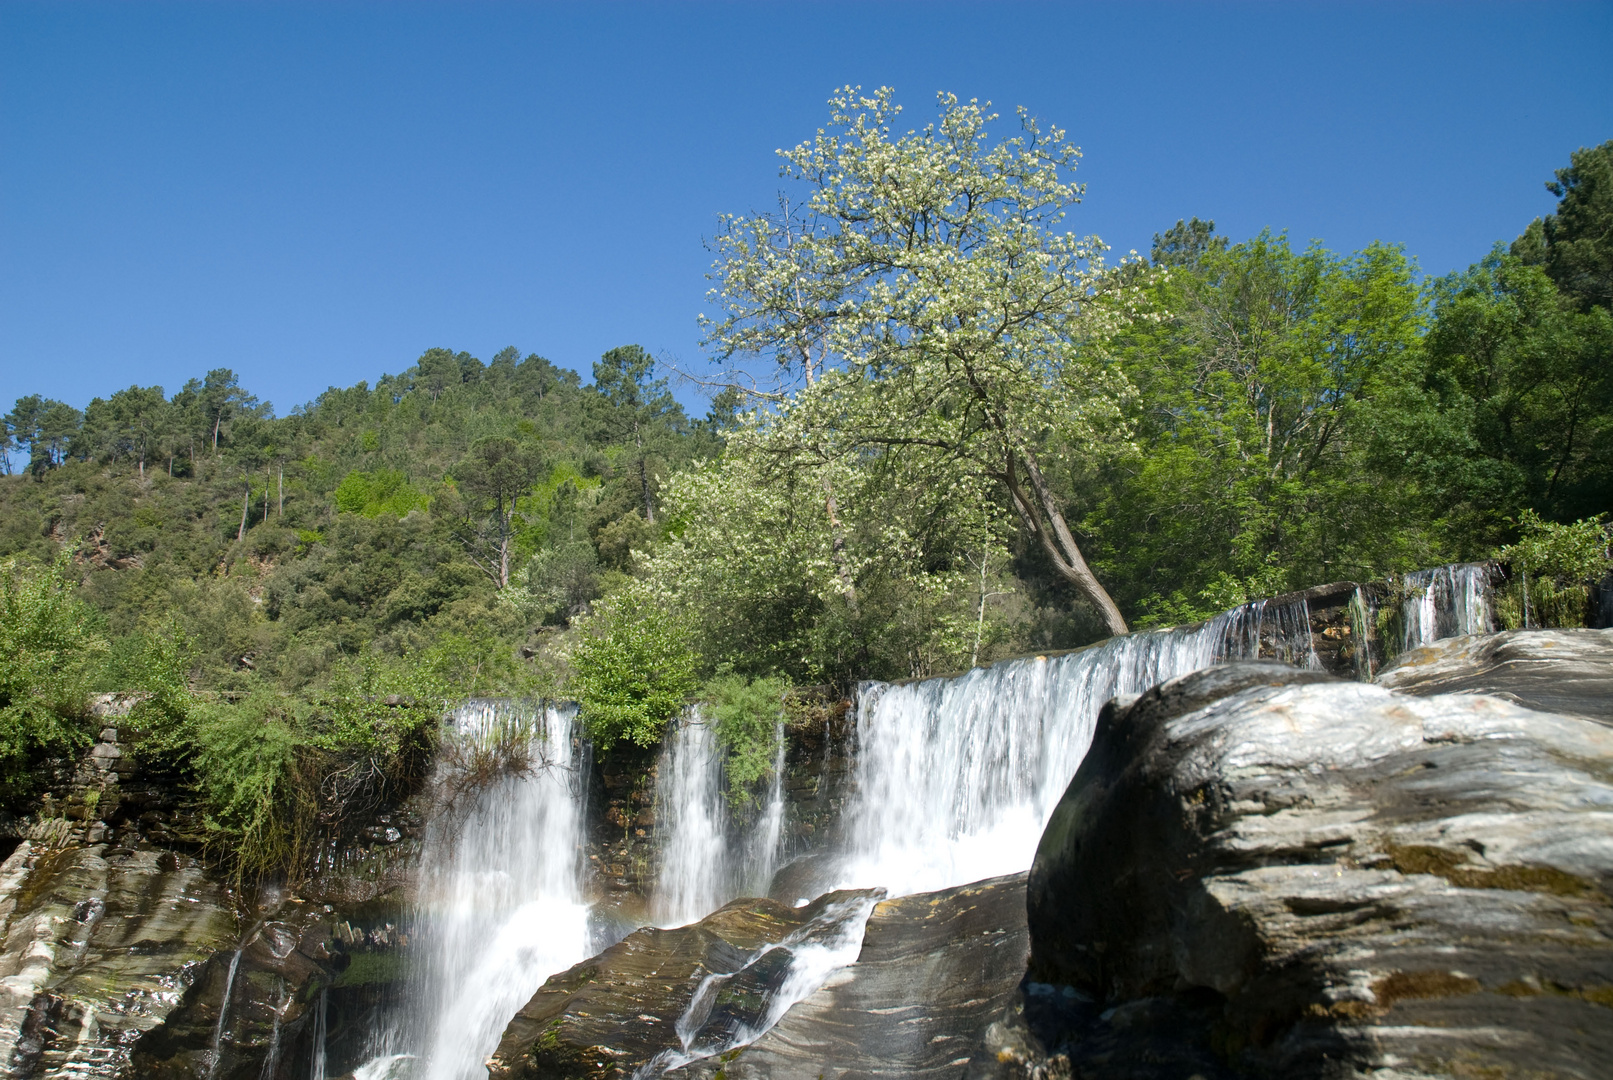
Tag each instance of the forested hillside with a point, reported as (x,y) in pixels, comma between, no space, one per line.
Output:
(971,437)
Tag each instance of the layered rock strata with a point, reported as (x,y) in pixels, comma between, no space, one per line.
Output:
(1258,873)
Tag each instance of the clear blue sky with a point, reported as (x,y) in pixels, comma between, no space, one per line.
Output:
(314,194)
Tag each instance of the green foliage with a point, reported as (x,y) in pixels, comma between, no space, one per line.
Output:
(747,716)
(156,661)
(1260,381)
(632,671)
(1575,244)
(384,491)
(1553,566)
(246,760)
(49,640)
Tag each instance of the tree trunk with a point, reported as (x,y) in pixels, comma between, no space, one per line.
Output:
(280,494)
(837,536)
(246,499)
(643,476)
(1046,522)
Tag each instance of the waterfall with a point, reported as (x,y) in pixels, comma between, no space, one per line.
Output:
(1447,601)
(956,777)
(223,1014)
(764,846)
(316,1070)
(500,904)
(689,816)
(699,870)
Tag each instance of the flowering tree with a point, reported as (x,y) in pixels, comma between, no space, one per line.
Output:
(931,309)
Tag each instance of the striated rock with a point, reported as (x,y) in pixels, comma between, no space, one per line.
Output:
(1257,874)
(609,1015)
(1562,671)
(934,993)
(99,947)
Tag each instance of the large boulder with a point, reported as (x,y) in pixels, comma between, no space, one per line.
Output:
(934,993)
(1258,874)
(1563,671)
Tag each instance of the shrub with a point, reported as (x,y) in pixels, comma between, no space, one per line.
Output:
(1552,565)
(50,641)
(747,717)
(632,671)
(372,494)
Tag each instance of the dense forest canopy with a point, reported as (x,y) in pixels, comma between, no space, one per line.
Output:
(979,439)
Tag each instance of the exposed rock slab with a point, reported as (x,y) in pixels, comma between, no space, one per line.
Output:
(1562,671)
(1253,877)
(611,1014)
(937,976)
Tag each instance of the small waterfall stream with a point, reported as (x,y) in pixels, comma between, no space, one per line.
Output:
(702,867)
(1447,601)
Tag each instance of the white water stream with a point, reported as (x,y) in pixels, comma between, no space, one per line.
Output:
(1447,601)
(500,904)
(701,867)
(956,778)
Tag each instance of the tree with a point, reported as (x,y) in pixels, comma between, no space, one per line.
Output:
(1185,243)
(1531,380)
(931,287)
(57,426)
(637,405)
(1257,376)
(128,425)
(1575,244)
(220,398)
(492,479)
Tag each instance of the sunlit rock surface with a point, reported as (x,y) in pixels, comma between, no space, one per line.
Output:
(1253,873)
(937,978)
(1564,671)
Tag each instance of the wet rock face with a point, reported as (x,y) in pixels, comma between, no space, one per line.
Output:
(118,948)
(100,946)
(1562,671)
(934,993)
(1254,873)
(609,1015)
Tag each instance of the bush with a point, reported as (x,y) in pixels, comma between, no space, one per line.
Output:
(632,671)
(747,716)
(1553,566)
(385,491)
(50,641)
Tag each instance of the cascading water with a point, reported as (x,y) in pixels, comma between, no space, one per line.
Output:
(223,1015)
(500,904)
(734,1008)
(1448,601)
(956,777)
(700,869)
(689,818)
